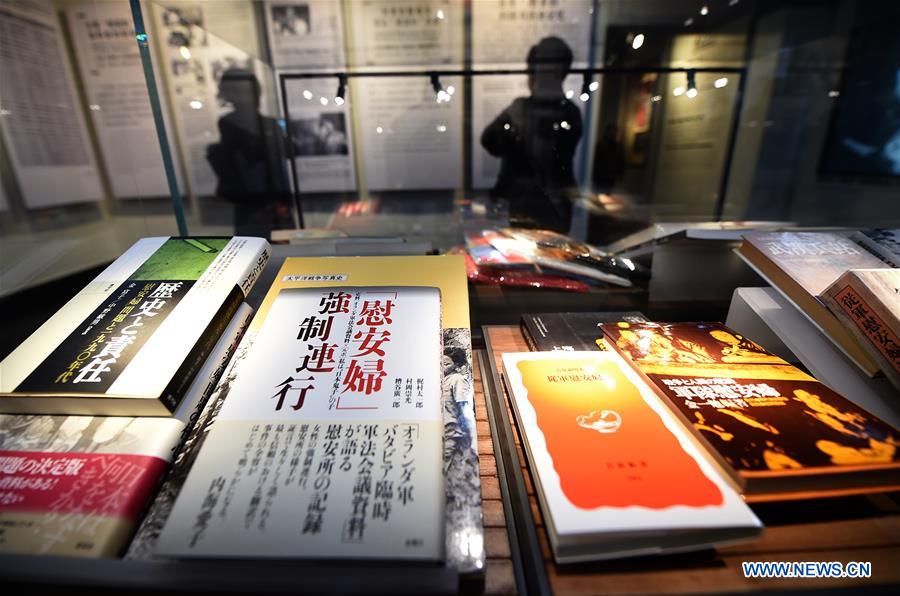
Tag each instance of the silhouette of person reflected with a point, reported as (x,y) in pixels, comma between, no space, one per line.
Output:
(250,160)
(535,138)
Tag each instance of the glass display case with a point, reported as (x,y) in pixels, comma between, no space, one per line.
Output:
(580,155)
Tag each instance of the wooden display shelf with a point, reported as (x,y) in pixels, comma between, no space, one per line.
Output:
(847,529)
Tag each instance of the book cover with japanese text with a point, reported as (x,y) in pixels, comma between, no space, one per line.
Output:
(867,302)
(801,265)
(617,474)
(131,342)
(329,443)
(772,426)
(461,524)
(78,485)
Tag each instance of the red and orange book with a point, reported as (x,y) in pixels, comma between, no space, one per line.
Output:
(776,430)
(617,474)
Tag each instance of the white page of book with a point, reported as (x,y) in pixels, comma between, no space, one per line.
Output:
(309,459)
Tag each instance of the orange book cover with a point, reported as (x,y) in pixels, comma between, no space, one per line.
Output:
(608,456)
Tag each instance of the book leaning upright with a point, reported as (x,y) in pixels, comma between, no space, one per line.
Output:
(132,341)
(329,443)
(616,473)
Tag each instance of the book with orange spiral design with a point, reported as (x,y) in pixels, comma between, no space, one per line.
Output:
(617,475)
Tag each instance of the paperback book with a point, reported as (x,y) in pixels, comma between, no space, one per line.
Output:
(430,511)
(132,341)
(78,485)
(616,474)
(777,431)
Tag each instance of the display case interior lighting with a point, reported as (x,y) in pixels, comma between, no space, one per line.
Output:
(691,92)
(721,82)
(441,95)
(341,90)
(678,91)
(586,88)
(637,41)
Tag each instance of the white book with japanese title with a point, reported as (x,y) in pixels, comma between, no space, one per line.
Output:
(132,341)
(329,443)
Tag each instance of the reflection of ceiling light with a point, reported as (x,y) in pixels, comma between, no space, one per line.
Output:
(185,52)
(678,91)
(570,94)
(584,97)
(506,126)
(442,128)
(379,130)
(594,85)
(196,104)
(704,11)
(95,107)
(688,22)
(5,112)
(656,98)
(338,101)
(323,101)
(443,96)
(440,15)
(565,125)
(691,93)
(307,94)
(451,89)
(721,82)
(834,93)
(638,41)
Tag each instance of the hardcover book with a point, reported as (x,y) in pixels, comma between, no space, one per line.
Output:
(616,474)
(867,302)
(801,265)
(78,485)
(440,500)
(777,431)
(132,341)
(571,331)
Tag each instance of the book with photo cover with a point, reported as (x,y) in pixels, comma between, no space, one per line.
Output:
(78,485)
(801,265)
(461,525)
(616,474)
(570,331)
(131,342)
(777,431)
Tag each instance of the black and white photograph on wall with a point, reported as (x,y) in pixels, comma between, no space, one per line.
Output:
(184,27)
(192,69)
(290,20)
(864,137)
(324,135)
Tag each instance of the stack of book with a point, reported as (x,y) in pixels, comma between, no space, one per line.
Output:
(97,401)
(507,255)
(645,447)
(848,285)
